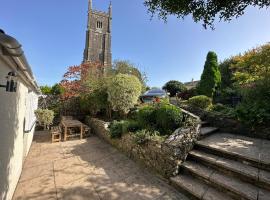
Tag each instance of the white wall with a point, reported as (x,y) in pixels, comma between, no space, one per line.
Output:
(14,143)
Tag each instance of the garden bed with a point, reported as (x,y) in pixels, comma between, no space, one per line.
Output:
(162,156)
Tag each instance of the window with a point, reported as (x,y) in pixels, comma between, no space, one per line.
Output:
(99,24)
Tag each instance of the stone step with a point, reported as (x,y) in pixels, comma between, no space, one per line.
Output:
(245,172)
(236,149)
(206,131)
(196,188)
(204,123)
(237,188)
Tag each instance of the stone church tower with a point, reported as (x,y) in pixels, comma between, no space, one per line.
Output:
(98,36)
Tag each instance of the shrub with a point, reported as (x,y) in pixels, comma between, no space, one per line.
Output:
(168,118)
(123,92)
(218,107)
(143,136)
(133,126)
(187,94)
(211,78)
(44,117)
(255,108)
(200,101)
(117,128)
(146,116)
(225,110)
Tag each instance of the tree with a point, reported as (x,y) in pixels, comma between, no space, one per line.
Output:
(46,90)
(57,90)
(97,99)
(225,68)
(206,11)
(211,78)
(123,92)
(174,87)
(74,80)
(253,65)
(126,67)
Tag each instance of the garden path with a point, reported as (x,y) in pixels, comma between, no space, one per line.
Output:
(86,169)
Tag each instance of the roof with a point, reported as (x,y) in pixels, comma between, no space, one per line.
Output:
(191,84)
(12,48)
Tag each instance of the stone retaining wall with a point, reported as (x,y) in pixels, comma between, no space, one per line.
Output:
(162,157)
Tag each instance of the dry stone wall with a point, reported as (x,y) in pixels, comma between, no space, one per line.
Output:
(164,157)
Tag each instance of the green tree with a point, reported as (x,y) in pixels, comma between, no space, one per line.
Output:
(225,68)
(46,90)
(126,67)
(174,87)
(57,89)
(253,65)
(211,78)
(96,99)
(202,11)
(123,92)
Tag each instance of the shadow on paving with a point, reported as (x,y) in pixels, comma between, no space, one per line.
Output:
(86,169)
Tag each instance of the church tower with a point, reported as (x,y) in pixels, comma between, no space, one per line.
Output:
(98,36)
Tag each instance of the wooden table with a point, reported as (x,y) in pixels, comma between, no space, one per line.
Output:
(72,124)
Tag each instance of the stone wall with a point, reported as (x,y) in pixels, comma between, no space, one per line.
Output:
(162,157)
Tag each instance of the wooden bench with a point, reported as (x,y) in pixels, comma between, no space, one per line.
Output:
(56,133)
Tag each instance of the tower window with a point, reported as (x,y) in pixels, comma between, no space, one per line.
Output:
(99,24)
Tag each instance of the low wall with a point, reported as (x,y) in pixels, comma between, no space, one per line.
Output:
(162,157)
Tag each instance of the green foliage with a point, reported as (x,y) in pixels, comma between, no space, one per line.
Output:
(126,67)
(187,94)
(202,11)
(123,92)
(201,101)
(162,116)
(94,102)
(253,65)
(117,128)
(143,136)
(218,107)
(174,87)
(57,89)
(146,116)
(46,90)
(225,96)
(225,68)
(44,117)
(255,108)
(168,118)
(95,99)
(133,126)
(225,110)
(211,78)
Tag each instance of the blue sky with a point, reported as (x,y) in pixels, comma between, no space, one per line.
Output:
(52,33)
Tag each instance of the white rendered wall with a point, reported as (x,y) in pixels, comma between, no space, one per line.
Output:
(14,143)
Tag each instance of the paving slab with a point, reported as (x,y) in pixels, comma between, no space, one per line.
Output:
(250,148)
(86,169)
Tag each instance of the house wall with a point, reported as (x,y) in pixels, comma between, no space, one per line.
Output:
(14,143)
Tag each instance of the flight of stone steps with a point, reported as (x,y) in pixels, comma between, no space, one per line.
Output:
(224,166)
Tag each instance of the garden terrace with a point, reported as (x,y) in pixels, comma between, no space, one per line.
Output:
(86,169)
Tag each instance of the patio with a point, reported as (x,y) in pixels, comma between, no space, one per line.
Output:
(86,169)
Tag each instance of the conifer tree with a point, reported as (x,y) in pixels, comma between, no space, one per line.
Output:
(211,78)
